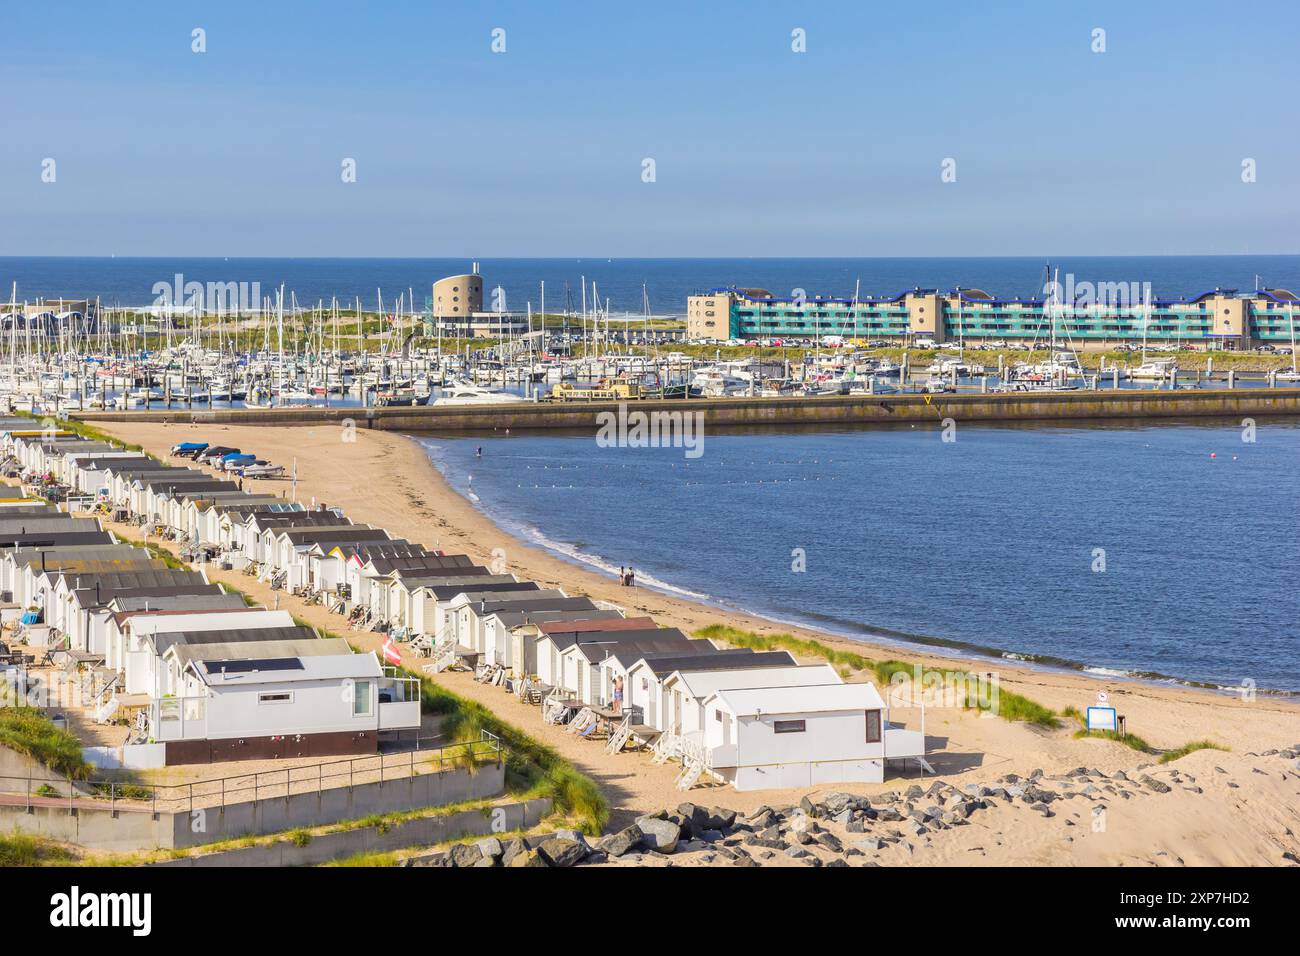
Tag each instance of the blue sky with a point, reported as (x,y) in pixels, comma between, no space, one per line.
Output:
(759,151)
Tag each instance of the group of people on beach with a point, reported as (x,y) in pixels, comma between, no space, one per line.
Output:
(626,577)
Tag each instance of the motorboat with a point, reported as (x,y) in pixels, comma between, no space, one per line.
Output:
(262,469)
(466,393)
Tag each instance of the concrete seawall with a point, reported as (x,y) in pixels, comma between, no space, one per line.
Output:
(96,824)
(398,835)
(1080,406)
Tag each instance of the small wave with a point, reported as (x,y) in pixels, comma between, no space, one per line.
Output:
(1107,672)
(576,554)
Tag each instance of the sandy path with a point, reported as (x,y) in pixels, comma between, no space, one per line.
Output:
(386,480)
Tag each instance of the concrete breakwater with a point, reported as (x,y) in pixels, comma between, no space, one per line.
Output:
(1078,406)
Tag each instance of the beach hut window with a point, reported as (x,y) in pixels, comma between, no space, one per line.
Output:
(361,698)
(280,698)
(873,726)
(789,726)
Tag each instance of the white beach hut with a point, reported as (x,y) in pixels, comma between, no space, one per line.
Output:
(763,738)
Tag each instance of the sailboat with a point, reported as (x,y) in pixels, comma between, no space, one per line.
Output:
(1151,370)
(1062,366)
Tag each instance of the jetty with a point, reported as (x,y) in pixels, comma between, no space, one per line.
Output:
(855,409)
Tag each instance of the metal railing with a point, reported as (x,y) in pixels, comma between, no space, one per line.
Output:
(117,795)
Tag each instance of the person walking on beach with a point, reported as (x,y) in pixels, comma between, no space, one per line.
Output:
(622,575)
(631,578)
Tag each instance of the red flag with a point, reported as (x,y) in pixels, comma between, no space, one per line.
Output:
(391,653)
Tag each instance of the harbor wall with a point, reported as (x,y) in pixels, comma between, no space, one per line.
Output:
(1080,406)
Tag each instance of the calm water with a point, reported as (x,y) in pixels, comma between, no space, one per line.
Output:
(989,541)
(130,281)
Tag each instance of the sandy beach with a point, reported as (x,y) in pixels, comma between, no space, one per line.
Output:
(386,480)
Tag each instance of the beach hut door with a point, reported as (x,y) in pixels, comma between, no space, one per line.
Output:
(677,712)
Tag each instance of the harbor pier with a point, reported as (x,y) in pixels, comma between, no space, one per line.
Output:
(886,410)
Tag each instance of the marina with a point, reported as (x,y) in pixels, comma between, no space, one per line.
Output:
(204,348)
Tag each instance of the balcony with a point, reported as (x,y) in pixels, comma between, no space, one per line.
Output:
(399,701)
(178,718)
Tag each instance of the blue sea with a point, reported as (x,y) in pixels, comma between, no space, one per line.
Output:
(667,282)
(1167,551)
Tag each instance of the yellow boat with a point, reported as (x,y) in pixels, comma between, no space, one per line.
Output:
(603,391)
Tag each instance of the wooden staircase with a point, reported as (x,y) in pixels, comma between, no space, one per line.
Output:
(693,756)
(619,736)
(692,768)
(105,711)
(665,748)
(443,658)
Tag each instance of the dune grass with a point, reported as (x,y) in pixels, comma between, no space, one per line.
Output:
(29,732)
(532,768)
(366,858)
(1128,740)
(1171,755)
(1137,743)
(1009,705)
(26,849)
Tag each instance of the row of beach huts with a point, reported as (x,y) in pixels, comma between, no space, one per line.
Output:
(755,719)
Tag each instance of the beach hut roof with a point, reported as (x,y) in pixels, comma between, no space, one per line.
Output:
(614,623)
(662,665)
(701,684)
(817,698)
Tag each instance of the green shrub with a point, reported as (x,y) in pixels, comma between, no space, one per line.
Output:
(530,765)
(26,849)
(1185,749)
(30,732)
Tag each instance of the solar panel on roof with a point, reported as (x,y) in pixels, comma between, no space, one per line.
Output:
(247,666)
